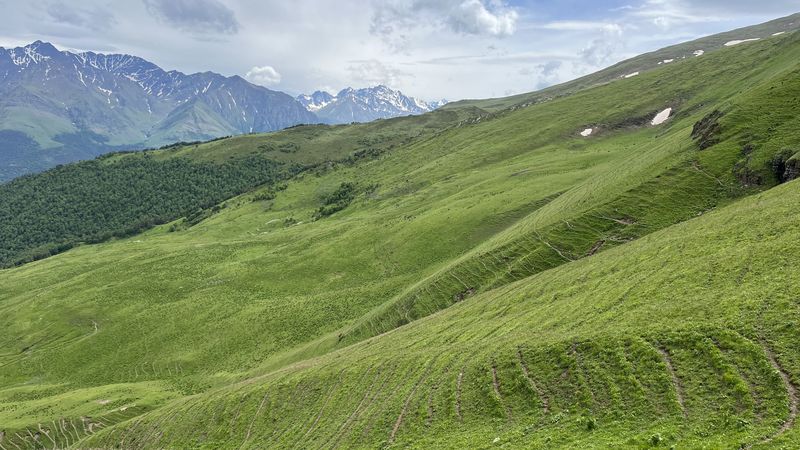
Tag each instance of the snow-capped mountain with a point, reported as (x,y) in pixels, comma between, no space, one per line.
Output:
(315,101)
(364,105)
(59,106)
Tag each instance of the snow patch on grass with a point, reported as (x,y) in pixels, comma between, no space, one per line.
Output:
(630,75)
(587,132)
(661,117)
(740,41)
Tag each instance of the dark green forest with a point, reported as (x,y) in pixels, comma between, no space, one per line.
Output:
(92,201)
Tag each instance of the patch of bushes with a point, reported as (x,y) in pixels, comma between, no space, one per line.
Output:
(337,200)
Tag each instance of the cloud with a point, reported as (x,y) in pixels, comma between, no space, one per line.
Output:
(603,49)
(96,18)
(579,25)
(196,16)
(473,17)
(373,72)
(546,74)
(263,76)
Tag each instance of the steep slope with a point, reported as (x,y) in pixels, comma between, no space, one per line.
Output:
(686,338)
(68,106)
(205,336)
(364,105)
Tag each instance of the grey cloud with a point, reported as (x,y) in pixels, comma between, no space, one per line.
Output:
(96,18)
(195,16)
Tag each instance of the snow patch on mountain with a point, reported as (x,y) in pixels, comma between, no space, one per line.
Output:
(364,105)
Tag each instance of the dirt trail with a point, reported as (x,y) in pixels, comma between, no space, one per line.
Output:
(253,420)
(496,385)
(46,433)
(791,392)
(543,398)
(458,394)
(674,377)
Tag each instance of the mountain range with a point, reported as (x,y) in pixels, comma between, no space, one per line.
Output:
(364,105)
(60,106)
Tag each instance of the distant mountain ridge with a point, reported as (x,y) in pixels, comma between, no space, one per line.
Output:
(58,106)
(364,105)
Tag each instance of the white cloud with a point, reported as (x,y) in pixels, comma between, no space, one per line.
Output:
(373,72)
(475,17)
(263,76)
(472,17)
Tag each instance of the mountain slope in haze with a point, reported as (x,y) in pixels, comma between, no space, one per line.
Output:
(457,281)
(57,106)
(643,63)
(364,105)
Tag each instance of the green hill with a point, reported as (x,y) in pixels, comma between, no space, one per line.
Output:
(467,278)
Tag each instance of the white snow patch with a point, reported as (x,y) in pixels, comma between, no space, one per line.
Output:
(779,33)
(661,117)
(667,61)
(587,132)
(630,75)
(699,52)
(740,41)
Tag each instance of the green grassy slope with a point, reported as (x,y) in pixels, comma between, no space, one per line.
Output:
(682,337)
(205,332)
(124,193)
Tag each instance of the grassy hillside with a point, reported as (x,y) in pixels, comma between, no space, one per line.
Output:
(552,299)
(687,337)
(129,192)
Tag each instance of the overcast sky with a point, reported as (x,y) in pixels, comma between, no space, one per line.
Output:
(431,49)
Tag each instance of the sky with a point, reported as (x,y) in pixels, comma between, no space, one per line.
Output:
(430,49)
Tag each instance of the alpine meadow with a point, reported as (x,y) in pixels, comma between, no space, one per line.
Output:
(610,262)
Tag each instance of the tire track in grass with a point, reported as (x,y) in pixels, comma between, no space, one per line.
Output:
(300,398)
(330,394)
(362,407)
(791,392)
(381,409)
(534,386)
(410,396)
(676,382)
(751,387)
(496,386)
(433,391)
(253,420)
